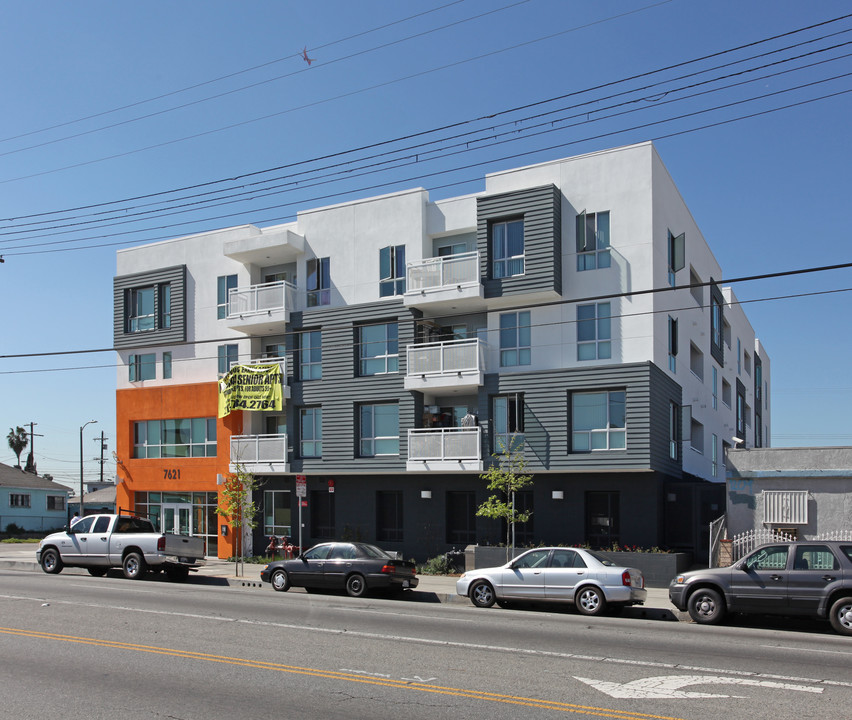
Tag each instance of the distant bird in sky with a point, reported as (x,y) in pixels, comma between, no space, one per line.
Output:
(305,55)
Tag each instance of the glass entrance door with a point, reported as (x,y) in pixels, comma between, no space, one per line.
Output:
(177,518)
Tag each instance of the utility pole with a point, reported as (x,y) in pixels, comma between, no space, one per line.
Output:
(103,447)
(31,463)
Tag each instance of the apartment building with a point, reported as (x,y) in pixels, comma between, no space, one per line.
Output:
(549,313)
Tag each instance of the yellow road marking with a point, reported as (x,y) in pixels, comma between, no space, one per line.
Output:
(345,676)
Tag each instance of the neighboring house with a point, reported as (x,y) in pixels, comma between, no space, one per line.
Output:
(803,492)
(393,317)
(31,502)
(100,500)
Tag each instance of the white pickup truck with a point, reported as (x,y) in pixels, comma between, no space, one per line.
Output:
(101,542)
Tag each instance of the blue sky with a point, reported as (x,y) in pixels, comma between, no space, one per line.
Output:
(110,101)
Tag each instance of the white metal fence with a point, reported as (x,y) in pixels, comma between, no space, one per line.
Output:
(744,543)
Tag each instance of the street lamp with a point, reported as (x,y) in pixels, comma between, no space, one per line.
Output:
(81,464)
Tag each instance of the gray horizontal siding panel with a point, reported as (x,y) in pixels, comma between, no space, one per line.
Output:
(547,416)
(541,209)
(175,276)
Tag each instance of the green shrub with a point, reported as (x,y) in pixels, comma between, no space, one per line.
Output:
(435,566)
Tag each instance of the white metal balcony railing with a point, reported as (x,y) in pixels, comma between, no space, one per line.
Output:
(446,358)
(254,449)
(440,272)
(281,361)
(457,443)
(258,299)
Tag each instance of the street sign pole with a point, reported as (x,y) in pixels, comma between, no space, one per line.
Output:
(301,492)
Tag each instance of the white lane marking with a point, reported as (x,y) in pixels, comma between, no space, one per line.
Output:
(794,649)
(441,643)
(669,686)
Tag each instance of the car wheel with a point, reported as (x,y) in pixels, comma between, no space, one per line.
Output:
(482,594)
(280,581)
(177,574)
(133,566)
(841,616)
(97,571)
(51,562)
(590,601)
(356,586)
(706,606)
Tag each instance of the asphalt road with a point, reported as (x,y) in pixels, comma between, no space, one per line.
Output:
(82,647)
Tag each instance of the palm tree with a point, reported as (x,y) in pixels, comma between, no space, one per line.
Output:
(18,440)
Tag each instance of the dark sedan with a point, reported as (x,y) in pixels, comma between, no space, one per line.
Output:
(354,567)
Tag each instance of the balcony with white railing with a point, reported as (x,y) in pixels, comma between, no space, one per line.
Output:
(456,448)
(265,454)
(264,360)
(261,308)
(449,279)
(454,366)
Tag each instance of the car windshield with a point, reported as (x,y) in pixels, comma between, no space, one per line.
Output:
(375,552)
(600,558)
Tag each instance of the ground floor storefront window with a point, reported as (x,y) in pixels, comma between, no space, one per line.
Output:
(184,513)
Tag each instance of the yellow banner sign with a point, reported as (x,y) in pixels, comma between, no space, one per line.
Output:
(251,387)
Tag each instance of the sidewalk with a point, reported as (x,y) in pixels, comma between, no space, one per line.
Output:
(432,588)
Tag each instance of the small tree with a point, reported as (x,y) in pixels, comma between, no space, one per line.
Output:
(505,478)
(238,507)
(18,441)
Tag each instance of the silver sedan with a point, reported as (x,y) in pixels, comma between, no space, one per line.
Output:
(581,577)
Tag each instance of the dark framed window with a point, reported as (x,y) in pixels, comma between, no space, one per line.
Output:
(56,502)
(322,515)
(224,285)
(603,527)
(508,414)
(598,421)
(310,355)
(507,248)
(378,349)
(378,429)
(461,517)
(141,315)
(164,310)
(310,427)
(672,344)
(228,357)
(392,270)
(142,367)
(389,516)
(525,531)
(167,366)
(593,241)
(319,282)
(676,255)
(515,340)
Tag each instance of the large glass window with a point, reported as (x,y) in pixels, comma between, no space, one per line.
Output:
(276,513)
(378,349)
(594,331)
(228,357)
(319,282)
(224,284)
(515,339)
(508,423)
(507,248)
(193,437)
(392,270)
(598,421)
(167,366)
(603,526)
(140,310)
(593,241)
(310,424)
(142,367)
(389,516)
(379,426)
(310,355)
(56,502)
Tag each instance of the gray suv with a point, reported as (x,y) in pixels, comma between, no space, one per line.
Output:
(807,577)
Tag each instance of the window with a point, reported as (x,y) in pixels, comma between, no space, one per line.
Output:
(378,349)
(714,389)
(56,502)
(696,441)
(228,357)
(453,249)
(814,557)
(696,288)
(140,310)
(672,344)
(143,367)
(598,421)
(507,248)
(675,255)
(593,241)
(714,462)
(322,515)
(758,381)
(508,423)
(310,355)
(696,362)
(594,332)
(165,309)
(392,270)
(389,516)
(739,357)
(224,284)
(768,558)
(747,362)
(461,517)
(726,392)
(515,339)
(674,425)
(602,519)
(715,321)
(20,500)
(379,430)
(167,366)
(741,411)
(194,437)
(310,424)
(276,513)
(319,282)
(758,430)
